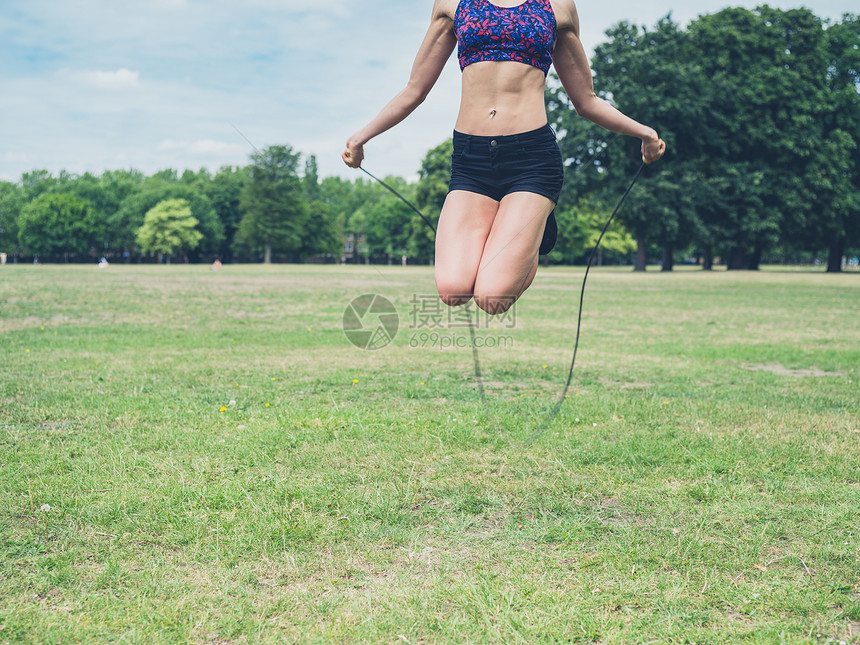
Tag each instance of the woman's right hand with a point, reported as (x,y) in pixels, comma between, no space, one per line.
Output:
(353,155)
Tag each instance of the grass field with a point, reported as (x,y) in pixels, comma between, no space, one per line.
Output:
(189,456)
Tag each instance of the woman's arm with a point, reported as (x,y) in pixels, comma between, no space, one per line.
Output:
(571,65)
(431,58)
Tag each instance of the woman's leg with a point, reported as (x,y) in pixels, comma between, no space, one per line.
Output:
(510,256)
(464,226)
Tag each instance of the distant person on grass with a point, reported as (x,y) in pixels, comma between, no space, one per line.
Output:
(507,169)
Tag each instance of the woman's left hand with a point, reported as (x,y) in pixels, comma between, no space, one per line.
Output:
(652,150)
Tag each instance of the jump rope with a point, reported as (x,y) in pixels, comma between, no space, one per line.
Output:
(553,413)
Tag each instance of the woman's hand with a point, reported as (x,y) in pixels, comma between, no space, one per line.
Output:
(434,52)
(653,149)
(574,71)
(353,155)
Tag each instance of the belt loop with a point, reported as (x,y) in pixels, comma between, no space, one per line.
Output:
(522,146)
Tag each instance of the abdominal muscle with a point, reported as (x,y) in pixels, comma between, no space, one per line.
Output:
(501,98)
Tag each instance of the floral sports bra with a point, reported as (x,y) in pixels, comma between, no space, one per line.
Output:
(487,32)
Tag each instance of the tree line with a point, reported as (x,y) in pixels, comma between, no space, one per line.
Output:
(761,113)
(760,110)
(276,208)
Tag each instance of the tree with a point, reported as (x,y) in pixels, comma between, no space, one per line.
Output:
(11,203)
(838,190)
(199,181)
(341,199)
(383,221)
(274,211)
(58,224)
(104,194)
(169,228)
(831,179)
(323,237)
(166,176)
(311,179)
(767,79)
(430,196)
(579,228)
(224,193)
(124,224)
(37,182)
(643,73)
(759,110)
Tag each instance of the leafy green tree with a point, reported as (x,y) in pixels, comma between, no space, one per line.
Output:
(224,192)
(829,187)
(341,198)
(430,196)
(643,73)
(11,203)
(199,180)
(759,110)
(323,237)
(124,224)
(37,182)
(704,191)
(166,176)
(105,195)
(837,159)
(767,71)
(579,228)
(169,228)
(275,213)
(359,209)
(58,225)
(383,221)
(311,179)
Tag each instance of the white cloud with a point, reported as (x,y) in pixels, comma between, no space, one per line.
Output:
(328,7)
(16,157)
(301,72)
(119,80)
(202,148)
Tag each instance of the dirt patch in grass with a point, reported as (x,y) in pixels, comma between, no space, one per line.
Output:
(779,370)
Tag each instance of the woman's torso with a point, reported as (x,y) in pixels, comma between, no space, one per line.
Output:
(505,48)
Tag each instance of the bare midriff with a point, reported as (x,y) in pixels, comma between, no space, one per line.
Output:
(501,98)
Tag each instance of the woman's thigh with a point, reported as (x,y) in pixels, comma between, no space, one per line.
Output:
(510,253)
(461,235)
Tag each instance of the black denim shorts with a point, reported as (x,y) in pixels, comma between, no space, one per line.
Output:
(497,166)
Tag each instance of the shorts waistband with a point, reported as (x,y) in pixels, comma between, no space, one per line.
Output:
(521,138)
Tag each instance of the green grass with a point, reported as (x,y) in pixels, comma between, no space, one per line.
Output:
(222,465)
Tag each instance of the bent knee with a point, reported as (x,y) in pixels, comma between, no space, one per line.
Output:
(494,303)
(454,299)
(453,293)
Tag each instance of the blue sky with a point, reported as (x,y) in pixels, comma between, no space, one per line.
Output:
(92,85)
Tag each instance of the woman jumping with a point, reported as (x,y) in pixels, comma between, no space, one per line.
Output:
(507,170)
